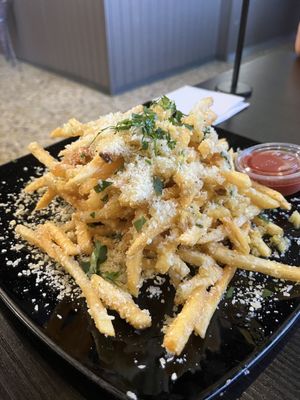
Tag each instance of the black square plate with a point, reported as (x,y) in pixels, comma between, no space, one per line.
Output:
(134,362)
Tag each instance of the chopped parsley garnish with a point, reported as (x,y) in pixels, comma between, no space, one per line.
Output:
(146,122)
(188,126)
(199,225)
(266,293)
(98,257)
(105,198)
(229,292)
(93,214)
(85,265)
(175,119)
(166,104)
(162,135)
(148,161)
(139,223)
(111,276)
(158,185)
(145,145)
(102,186)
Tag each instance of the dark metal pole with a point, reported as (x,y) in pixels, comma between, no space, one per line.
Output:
(240,45)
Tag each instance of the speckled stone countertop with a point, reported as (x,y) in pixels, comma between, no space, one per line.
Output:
(34,101)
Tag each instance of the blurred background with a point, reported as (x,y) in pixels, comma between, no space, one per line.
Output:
(75,58)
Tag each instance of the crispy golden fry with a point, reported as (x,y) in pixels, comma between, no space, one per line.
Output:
(260,199)
(153,228)
(273,194)
(178,270)
(236,235)
(84,239)
(32,237)
(42,239)
(180,329)
(192,236)
(252,263)
(42,155)
(237,178)
(197,258)
(205,277)
(165,254)
(120,301)
(97,168)
(213,297)
(258,244)
(269,227)
(72,128)
(215,235)
(295,219)
(59,237)
(38,183)
(47,197)
(111,209)
(134,269)
(95,307)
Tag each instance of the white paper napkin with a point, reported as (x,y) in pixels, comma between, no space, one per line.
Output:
(225,105)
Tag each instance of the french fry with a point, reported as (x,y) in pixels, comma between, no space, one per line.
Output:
(72,128)
(180,329)
(84,239)
(236,235)
(269,227)
(213,297)
(178,270)
(134,269)
(260,199)
(111,209)
(165,259)
(120,301)
(153,228)
(252,263)
(29,235)
(237,178)
(258,244)
(205,277)
(273,194)
(42,239)
(95,307)
(97,168)
(59,237)
(36,184)
(42,155)
(47,197)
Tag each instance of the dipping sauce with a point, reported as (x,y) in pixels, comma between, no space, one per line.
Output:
(276,165)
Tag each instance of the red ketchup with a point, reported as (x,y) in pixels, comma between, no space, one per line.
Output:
(276,165)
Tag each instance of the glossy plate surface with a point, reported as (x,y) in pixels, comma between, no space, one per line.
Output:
(237,337)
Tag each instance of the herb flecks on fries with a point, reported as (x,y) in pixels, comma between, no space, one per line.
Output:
(154,191)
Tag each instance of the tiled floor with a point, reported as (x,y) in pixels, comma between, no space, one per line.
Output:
(34,101)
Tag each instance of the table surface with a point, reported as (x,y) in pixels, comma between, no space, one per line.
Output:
(274,111)
(31,371)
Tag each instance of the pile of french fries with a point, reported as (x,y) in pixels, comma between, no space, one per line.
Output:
(154,191)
